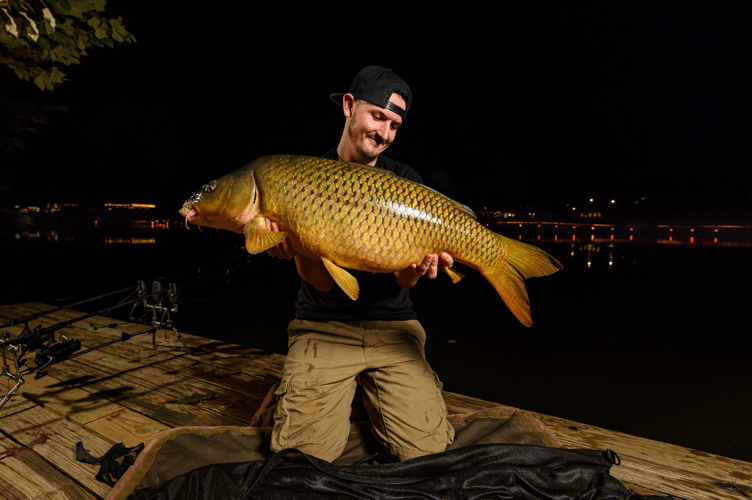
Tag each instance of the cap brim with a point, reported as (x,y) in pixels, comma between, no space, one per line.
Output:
(336,98)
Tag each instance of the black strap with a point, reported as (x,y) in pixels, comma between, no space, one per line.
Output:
(111,469)
(396,109)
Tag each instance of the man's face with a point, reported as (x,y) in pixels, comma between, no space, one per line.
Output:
(372,129)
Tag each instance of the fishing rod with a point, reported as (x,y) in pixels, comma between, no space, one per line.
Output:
(31,336)
(52,352)
(33,316)
(140,289)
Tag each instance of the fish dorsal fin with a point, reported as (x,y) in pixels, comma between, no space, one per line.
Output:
(346,281)
(461,206)
(457,204)
(464,208)
(369,167)
(258,238)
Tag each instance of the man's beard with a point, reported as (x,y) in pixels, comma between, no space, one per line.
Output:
(353,134)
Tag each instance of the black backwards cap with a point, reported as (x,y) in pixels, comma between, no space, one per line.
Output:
(376,85)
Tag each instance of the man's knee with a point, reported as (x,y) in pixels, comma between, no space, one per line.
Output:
(409,419)
(309,420)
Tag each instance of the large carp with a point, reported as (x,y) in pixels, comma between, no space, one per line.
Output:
(353,216)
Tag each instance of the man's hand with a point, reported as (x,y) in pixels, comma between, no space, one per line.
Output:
(283,250)
(407,278)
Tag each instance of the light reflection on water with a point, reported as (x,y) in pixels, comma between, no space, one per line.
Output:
(130,241)
(735,236)
(606,247)
(139,233)
(721,235)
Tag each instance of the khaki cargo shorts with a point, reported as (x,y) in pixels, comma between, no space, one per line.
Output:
(402,394)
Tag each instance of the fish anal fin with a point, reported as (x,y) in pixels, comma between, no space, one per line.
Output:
(258,238)
(346,281)
(455,276)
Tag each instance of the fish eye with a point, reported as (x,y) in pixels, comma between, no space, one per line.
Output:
(208,188)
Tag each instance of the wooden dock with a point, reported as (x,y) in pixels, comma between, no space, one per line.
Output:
(130,391)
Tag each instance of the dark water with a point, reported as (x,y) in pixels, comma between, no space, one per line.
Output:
(649,336)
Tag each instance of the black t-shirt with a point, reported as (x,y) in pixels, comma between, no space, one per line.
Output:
(380,297)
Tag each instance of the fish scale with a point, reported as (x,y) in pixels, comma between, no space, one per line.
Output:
(354,216)
(366,211)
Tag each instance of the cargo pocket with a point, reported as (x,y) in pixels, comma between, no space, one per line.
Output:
(281,429)
(284,387)
(443,411)
(440,397)
(439,383)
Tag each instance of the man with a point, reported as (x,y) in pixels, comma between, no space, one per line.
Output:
(376,341)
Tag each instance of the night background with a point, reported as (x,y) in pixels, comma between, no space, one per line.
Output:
(527,105)
(534,107)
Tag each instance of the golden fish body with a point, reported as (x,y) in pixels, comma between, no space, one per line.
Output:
(359,217)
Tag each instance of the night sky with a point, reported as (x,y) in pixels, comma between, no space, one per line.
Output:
(534,104)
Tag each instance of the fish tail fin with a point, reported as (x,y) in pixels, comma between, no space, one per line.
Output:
(519,262)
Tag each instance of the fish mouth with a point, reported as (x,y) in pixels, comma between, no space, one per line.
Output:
(189,213)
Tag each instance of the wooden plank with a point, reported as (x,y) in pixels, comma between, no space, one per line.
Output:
(251,361)
(194,367)
(168,410)
(131,350)
(149,380)
(24,475)
(92,411)
(80,329)
(226,401)
(649,467)
(73,404)
(458,403)
(18,310)
(54,439)
(657,467)
(214,348)
(127,427)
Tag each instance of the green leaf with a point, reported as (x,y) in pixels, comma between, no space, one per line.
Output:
(26,6)
(43,42)
(43,81)
(94,42)
(58,31)
(48,27)
(82,43)
(196,397)
(65,55)
(100,30)
(98,5)
(57,77)
(94,328)
(68,27)
(119,33)
(22,73)
(79,7)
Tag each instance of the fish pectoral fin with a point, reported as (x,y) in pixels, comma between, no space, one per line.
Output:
(258,238)
(346,281)
(455,276)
